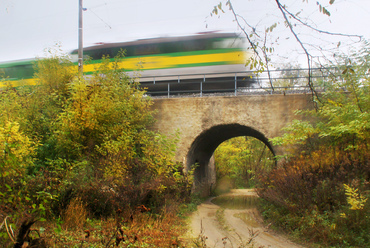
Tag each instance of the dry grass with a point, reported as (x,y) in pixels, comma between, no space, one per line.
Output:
(75,215)
(143,230)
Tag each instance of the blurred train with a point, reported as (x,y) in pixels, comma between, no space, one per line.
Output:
(208,62)
(17,73)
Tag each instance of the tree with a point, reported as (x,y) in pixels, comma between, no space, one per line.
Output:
(241,160)
(342,115)
(323,189)
(263,42)
(72,137)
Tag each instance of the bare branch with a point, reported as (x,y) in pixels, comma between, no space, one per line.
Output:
(252,44)
(308,55)
(250,26)
(267,61)
(318,30)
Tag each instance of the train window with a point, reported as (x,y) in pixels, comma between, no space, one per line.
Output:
(113,52)
(2,73)
(18,71)
(173,46)
(27,71)
(147,49)
(94,54)
(228,43)
(170,47)
(194,45)
(99,53)
(129,51)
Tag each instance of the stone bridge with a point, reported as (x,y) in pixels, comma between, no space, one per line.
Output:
(205,122)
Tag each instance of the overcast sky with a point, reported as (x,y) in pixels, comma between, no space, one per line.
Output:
(29,27)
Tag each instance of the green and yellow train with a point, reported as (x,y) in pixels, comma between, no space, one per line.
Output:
(217,60)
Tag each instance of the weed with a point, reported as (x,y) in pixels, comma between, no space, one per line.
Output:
(75,215)
(200,241)
(220,216)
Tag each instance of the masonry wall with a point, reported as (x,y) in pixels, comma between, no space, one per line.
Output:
(267,114)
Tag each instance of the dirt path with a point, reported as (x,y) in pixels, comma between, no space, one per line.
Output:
(234,228)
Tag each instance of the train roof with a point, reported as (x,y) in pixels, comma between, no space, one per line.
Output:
(16,62)
(160,40)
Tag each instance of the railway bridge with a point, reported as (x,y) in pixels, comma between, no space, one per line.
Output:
(205,122)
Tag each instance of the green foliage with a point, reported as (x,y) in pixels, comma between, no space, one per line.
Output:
(54,74)
(298,132)
(342,117)
(324,10)
(321,192)
(102,116)
(69,138)
(240,160)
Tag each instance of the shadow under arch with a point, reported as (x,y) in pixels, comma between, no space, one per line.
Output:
(206,143)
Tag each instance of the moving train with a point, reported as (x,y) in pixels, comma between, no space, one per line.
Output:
(208,62)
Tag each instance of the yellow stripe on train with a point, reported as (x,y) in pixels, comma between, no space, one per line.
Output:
(165,62)
(17,83)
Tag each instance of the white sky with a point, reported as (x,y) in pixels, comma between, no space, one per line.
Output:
(28,27)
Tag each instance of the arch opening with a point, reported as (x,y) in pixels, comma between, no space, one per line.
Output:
(206,143)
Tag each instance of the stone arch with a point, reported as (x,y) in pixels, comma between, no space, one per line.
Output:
(205,144)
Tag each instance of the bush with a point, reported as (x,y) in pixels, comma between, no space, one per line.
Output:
(239,160)
(321,192)
(84,140)
(307,196)
(75,215)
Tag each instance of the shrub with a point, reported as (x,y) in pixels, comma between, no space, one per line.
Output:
(308,196)
(84,139)
(75,215)
(321,192)
(239,161)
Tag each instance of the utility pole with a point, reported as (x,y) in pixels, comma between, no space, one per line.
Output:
(80,39)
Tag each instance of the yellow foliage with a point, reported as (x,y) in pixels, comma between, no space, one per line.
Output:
(13,141)
(354,199)
(15,147)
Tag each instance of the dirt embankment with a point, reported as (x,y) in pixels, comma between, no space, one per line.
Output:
(224,227)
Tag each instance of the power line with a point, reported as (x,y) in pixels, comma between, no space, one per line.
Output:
(100,18)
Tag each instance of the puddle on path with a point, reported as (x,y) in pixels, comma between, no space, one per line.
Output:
(248,219)
(236,201)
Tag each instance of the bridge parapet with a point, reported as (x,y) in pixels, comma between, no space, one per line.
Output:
(216,82)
